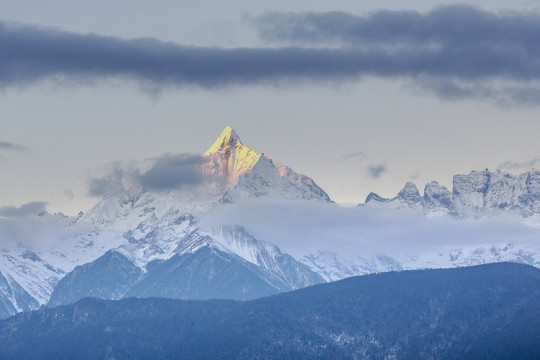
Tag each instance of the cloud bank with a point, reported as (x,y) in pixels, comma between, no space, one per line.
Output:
(300,227)
(454,51)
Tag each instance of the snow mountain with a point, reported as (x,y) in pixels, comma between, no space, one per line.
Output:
(472,195)
(144,242)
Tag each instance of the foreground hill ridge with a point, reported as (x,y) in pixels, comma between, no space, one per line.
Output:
(487,311)
(472,195)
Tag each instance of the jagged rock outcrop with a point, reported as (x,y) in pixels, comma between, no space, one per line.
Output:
(472,195)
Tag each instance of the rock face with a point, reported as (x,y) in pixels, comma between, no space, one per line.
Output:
(472,195)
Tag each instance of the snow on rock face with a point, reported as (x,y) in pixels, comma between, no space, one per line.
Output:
(253,175)
(408,198)
(469,191)
(437,199)
(267,180)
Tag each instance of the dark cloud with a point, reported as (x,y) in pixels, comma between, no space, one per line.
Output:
(453,25)
(165,172)
(173,171)
(4,145)
(31,53)
(454,51)
(376,170)
(30,209)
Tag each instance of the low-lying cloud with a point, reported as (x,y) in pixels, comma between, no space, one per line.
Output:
(301,227)
(453,51)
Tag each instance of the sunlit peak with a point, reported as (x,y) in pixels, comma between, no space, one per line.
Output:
(227,138)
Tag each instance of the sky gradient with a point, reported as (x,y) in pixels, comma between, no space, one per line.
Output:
(360,97)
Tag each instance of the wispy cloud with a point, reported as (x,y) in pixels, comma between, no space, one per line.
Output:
(376,170)
(4,145)
(353,155)
(520,165)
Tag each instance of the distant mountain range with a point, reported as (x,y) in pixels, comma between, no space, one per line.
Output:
(472,195)
(144,242)
(481,312)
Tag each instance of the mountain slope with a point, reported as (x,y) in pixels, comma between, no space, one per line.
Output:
(490,311)
(223,263)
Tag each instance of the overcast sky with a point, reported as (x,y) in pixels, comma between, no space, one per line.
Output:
(360,96)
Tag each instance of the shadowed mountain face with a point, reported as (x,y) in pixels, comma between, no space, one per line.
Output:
(200,268)
(483,312)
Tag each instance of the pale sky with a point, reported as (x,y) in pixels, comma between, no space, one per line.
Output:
(353,131)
